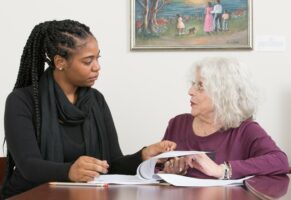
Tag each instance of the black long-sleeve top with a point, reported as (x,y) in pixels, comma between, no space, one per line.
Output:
(30,168)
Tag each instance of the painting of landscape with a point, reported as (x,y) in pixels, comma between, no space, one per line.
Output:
(191,24)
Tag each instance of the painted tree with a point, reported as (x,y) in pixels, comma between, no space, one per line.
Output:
(150,11)
(145,5)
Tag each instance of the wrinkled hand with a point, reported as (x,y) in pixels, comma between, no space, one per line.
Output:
(176,165)
(204,164)
(157,148)
(86,168)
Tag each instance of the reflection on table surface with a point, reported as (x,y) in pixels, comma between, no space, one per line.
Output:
(140,192)
(259,187)
(270,187)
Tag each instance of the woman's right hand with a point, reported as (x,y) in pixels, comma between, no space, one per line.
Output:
(206,165)
(86,168)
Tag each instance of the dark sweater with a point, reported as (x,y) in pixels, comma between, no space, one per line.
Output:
(248,148)
(31,169)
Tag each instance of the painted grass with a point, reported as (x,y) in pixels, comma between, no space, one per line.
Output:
(169,31)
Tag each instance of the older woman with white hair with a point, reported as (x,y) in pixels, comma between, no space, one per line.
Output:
(223,102)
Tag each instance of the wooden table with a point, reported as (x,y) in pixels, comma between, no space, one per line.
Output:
(260,187)
(140,192)
(270,187)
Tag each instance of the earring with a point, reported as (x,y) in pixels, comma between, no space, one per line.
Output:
(60,68)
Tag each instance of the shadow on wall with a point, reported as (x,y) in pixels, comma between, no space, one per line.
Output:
(286,122)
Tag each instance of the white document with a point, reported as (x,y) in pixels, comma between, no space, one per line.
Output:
(146,170)
(178,180)
(146,174)
(123,179)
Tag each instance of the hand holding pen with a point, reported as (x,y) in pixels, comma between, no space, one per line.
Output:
(86,168)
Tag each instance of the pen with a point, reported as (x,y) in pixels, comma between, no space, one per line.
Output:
(103,185)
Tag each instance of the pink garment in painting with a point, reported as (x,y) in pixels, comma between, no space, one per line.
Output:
(180,23)
(208,21)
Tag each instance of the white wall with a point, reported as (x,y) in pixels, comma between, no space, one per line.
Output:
(145,89)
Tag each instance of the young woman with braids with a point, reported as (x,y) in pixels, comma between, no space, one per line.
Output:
(57,127)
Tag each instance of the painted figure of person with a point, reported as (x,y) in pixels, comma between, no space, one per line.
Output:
(180,25)
(208,20)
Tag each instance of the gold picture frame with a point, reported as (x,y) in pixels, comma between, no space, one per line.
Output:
(191,24)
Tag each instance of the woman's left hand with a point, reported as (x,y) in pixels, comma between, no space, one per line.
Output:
(204,164)
(176,165)
(158,148)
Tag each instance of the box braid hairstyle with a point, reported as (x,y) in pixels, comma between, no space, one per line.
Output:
(46,40)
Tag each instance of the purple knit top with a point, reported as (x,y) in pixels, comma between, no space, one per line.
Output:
(248,148)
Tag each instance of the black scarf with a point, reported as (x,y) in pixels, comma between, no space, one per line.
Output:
(56,109)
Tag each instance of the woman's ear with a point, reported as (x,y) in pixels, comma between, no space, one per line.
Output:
(60,62)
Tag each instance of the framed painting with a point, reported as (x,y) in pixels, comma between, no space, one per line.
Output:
(191,24)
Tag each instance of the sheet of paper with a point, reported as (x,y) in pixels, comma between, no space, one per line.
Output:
(146,170)
(121,179)
(178,180)
(170,154)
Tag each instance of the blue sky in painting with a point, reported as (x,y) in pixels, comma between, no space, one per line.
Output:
(176,7)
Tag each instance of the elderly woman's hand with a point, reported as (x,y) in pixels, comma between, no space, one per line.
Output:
(176,165)
(158,148)
(204,164)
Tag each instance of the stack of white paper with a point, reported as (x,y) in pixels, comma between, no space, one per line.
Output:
(146,174)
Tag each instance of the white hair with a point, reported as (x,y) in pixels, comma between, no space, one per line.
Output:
(228,83)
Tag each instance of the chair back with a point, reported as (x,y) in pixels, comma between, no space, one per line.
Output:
(2,169)
(2,173)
